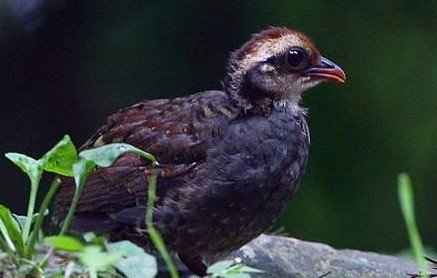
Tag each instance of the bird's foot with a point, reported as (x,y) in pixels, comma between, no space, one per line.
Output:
(194,263)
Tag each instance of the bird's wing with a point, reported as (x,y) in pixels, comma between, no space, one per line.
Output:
(178,132)
(174,130)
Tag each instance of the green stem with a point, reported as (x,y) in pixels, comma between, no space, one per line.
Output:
(8,241)
(35,268)
(43,263)
(155,237)
(157,240)
(151,196)
(30,209)
(406,199)
(43,208)
(146,155)
(71,210)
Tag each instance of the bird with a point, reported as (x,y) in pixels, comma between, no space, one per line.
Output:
(229,159)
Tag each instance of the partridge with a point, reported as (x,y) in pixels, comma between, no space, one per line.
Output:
(229,159)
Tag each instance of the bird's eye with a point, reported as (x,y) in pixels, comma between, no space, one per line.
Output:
(296,58)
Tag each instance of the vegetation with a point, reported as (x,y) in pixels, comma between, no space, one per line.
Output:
(26,251)
(406,199)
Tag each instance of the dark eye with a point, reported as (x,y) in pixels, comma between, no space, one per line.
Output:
(296,58)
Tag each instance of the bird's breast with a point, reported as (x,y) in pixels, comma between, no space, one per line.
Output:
(246,180)
(264,152)
(253,172)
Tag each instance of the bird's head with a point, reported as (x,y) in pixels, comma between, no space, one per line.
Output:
(278,64)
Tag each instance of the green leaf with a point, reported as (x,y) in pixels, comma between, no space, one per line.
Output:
(236,275)
(81,170)
(135,262)
(27,164)
(34,169)
(3,244)
(247,269)
(90,237)
(5,239)
(95,258)
(105,156)
(65,243)
(10,229)
(406,199)
(220,266)
(22,218)
(231,269)
(61,157)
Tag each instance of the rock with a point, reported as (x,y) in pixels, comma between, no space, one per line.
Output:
(283,257)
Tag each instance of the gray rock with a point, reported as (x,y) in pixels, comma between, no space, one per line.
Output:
(283,257)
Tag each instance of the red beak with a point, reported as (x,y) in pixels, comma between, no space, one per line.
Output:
(327,71)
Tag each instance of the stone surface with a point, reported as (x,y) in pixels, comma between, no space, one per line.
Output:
(283,257)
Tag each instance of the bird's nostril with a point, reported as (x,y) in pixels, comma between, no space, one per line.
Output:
(327,71)
(328,65)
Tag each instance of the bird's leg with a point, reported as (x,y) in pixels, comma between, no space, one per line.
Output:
(193,263)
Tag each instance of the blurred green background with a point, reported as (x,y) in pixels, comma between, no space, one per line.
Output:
(66,65)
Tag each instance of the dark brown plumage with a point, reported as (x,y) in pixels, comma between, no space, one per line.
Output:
(229,159)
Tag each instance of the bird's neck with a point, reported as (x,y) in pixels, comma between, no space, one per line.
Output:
(256,102)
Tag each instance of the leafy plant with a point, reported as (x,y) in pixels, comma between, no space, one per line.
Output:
(19,240)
